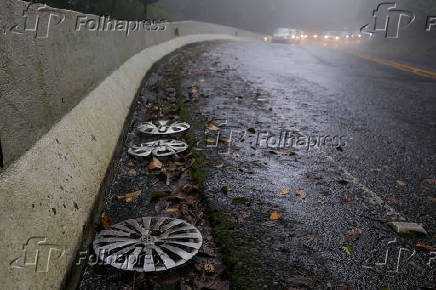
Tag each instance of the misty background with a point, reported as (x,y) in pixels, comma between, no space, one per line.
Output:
(264,16)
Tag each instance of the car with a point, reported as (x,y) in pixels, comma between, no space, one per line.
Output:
(332,36)
(287,35)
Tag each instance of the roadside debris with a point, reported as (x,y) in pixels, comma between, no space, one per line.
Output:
(275,215)
(352,235)
(430,181)
(400,182)
(155,164)
(405,227)
(163,127)
(426,247)
(284,192)
(301,193)
(129,197)
(148,244)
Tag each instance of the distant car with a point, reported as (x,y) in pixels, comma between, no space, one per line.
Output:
(332,36)
(287,35)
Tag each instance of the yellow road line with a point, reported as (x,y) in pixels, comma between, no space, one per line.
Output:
(403,67)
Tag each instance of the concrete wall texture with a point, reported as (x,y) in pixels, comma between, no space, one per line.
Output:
(64,96)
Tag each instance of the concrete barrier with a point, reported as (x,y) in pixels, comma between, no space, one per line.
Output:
(64,100)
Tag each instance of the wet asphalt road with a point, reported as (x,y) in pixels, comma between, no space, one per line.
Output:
(359,144)
(385,120)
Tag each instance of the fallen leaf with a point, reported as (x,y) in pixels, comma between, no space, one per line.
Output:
(130,164)
(128,197)
(209,267)
(284,192)
(177,163)
(194,90)
(172,166)
(225,189)
(324,201)
(395,200)
(301,193)
(432,198)
(287,153)
(349,249)
(159,194)
(106,222)
(213,127)
(221,165)
(402,183)
(201,80)
(275,215)
(262,100)
(427,247)
(173,209)
(227,140)
(351,235)
(407,227)
(375,169)
(210,141)
(155,164)
(430,181)
(236,154)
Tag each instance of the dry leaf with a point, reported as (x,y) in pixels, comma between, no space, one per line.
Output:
(213,127)
(194,90)
(395,200)
(220,165)
(375,169)
(177,163)
(275,215)
(352,235)
(262,100)
(130,164)
(155,164)
(427,247)
(106,222)
(287,153)
(172,209)
(432,198)
(430,181)
(227,140)
(209,267)
(210,141)
(301,193)
(324,201)
(284,192)
(236,154)
(128,197)
(402,183)
(201,80)
(172,166)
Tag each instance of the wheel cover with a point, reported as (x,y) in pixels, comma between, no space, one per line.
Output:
(163,127)
(158,148)
(148,244)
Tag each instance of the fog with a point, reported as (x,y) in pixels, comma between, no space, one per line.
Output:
(263,16)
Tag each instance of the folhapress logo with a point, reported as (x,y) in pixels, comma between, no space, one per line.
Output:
(388,19)
(37,19)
